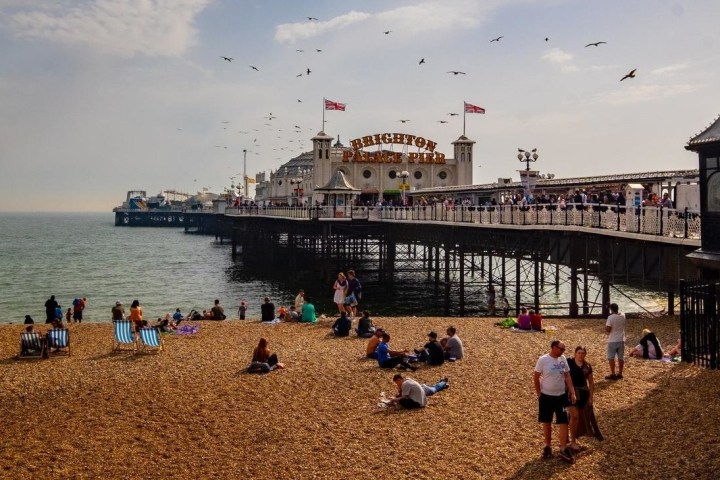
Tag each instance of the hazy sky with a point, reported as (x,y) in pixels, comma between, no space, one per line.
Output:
(98,97)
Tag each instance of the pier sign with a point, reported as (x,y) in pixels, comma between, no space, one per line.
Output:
(360,156)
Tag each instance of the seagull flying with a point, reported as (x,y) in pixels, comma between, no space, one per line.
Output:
(455,72)
(254,68)
(629,75)
(299,75)
(227,59)
(547,38)
(422,60)
(299,101)
(300,51)
(403,121)
(596,44)
(312,18)
(387,32)
(442,121)
(318,50)
(496,39)
(453,114)
(308,71)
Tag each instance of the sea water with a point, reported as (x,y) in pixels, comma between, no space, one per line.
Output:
(73,255)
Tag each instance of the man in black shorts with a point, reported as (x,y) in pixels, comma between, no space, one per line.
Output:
(552,384)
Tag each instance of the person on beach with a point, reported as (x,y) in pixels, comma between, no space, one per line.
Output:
(371,347)
(218,312)
(353,294)
(648,348)
(342,325)
(536,320)
(29,320)
(78,307)
(506,307)
(452,345)
(365,328)
(307,314)
(676,350)
(136,315)
(267,310)
(551,378)
(432,353)
(491,299)
(615,328)
(388,358)
(263,360)
(242,310)
(118,311)
(58,313)
(300,300)
(50,305)
(293,315)
(412,394)
(581,374)
(177,316)
(523,320)
(340,289)
(68,315)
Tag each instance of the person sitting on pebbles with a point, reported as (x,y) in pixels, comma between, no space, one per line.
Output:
(412,394)
(648,348)
(387,358)
(342,326)
(370,349)
(365,328)
(452,345)
(263,360)
(432,353)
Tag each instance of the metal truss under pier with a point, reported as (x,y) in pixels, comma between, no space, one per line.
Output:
(447,268)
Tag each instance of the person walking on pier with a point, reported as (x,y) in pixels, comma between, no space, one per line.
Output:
(615,328)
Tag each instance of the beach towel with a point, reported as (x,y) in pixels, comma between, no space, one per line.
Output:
(187,330)
(520,330)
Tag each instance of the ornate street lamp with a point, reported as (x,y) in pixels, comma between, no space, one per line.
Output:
(404,176)
(528,157)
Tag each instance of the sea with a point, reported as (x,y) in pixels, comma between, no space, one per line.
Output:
(73,255)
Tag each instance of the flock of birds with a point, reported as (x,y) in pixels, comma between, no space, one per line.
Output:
(298,142)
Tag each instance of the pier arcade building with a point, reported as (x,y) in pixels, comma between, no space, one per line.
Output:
(382,166)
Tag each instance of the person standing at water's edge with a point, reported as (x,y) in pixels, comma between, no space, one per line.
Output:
(551,379)
(50,307)
(615,328)
(136,314)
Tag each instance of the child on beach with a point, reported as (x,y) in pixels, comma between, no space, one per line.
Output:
(242,309)
(68,315)
(505,307)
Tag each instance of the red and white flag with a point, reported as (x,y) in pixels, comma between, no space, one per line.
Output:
(473,108)
(330,105)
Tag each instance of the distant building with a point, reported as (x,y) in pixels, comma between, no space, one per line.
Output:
(373,164)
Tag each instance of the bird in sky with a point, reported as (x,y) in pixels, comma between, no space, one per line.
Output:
(299,101)
(403,121)
(225,121)
(299,75)
(596,44)
(442,121)
(547,38)
(318,50)
(220,146)
(453,114)
(496,39)
(299,50)
(422,60)
(308,71)
(521,150)
(254,68)
(312,18)
(298,127)
(455,72)
(629,75)
(387,32)
(227,59)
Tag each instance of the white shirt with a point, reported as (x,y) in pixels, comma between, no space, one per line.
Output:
(616,322)
(552,374)
(414,391)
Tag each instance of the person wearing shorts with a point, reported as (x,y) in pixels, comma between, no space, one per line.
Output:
(552,382)
(615,328)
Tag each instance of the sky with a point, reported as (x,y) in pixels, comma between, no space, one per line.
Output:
(98,97)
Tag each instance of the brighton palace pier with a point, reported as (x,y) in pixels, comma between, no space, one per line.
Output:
(381,166)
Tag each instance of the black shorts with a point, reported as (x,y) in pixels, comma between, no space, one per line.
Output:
(77,315)
(582,395)
(549,405)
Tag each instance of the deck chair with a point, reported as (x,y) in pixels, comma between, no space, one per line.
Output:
(150,340)
(32,346)
(58,342)
(124,336)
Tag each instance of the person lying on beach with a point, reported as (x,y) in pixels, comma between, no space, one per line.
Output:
(365,328)
(373,343)
(342,325)
(412,394)
(388,358)
(263,360)
(432,353)
(648,348)
(166,323)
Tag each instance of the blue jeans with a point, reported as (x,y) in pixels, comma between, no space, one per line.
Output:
(432,390)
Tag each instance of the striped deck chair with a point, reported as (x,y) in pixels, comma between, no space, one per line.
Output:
(124,335)
(58,341)
(150,340)
(31,345)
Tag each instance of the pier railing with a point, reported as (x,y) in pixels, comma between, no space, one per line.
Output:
(657,221)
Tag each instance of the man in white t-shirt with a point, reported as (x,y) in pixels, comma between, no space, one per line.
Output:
(615,328)
(551,379)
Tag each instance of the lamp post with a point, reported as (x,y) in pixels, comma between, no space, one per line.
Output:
(404,176)
(529,178)
(528,157)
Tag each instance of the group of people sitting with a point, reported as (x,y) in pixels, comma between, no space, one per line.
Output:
(302,311)
(528,320)
(434,352)
(649,348)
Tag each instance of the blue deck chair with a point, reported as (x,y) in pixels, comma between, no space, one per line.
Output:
(58,341)
(124,335)
(150,340)
(31,345)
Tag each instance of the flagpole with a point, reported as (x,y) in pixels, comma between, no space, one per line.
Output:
(323,108)
(464,113)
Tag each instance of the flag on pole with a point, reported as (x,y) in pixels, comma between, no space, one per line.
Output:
(330,105)
(469,108)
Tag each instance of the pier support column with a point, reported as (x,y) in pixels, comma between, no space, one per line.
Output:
(574,310)
(461,254)
(391,248)
(536,283)
(447,279)
(429,256)
(517,283)
(605,298)
(671,302)
(502,273)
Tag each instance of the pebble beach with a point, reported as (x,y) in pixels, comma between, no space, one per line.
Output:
(192,412)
